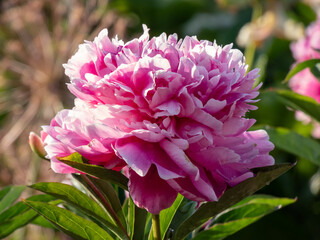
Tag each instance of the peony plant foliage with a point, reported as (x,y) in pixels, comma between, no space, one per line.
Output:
(159,142)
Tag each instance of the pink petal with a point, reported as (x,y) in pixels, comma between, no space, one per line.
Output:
(240,179)
(213,106)
(212,157)
(60,167)
(169,108)
(207,119)
(235,126)
(178,156)
(140,155)
(148,135)
(150,191)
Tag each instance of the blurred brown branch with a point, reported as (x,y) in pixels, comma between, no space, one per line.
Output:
(36,38)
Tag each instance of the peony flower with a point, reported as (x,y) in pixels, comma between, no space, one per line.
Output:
(170,110)
(305,82)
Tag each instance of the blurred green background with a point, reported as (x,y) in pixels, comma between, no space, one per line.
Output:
(37,36)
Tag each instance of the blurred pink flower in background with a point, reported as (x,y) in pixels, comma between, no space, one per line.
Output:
(171,110)
(305,82)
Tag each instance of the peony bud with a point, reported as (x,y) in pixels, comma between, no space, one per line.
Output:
(36,145)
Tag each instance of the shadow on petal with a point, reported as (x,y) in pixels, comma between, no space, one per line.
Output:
(151,192)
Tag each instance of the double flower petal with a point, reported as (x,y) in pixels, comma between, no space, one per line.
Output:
(170,110)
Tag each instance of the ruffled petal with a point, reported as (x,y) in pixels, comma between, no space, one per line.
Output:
(140,155)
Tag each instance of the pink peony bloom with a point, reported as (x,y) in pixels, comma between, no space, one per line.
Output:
(305,82)
(171,111)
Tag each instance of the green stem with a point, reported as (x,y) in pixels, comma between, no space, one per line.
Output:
(249,54)
(251,48)
(156,227)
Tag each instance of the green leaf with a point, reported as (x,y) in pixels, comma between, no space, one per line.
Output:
(13,224)
(299,102)
(136,220)
(316,71)
(42,222)
(299,67)
(68,222)
(220,231)
(10,195)
(4,191)
(131,216)
(79,200)
(73,196)
(167,215)
(100,172)
(27,217)
(109,193)
(237,217)
(19,215)
(74,157)
(295,143)
(140,217)
(185,210)
(263,177)
(125,207)
(20,207)
(148,227)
